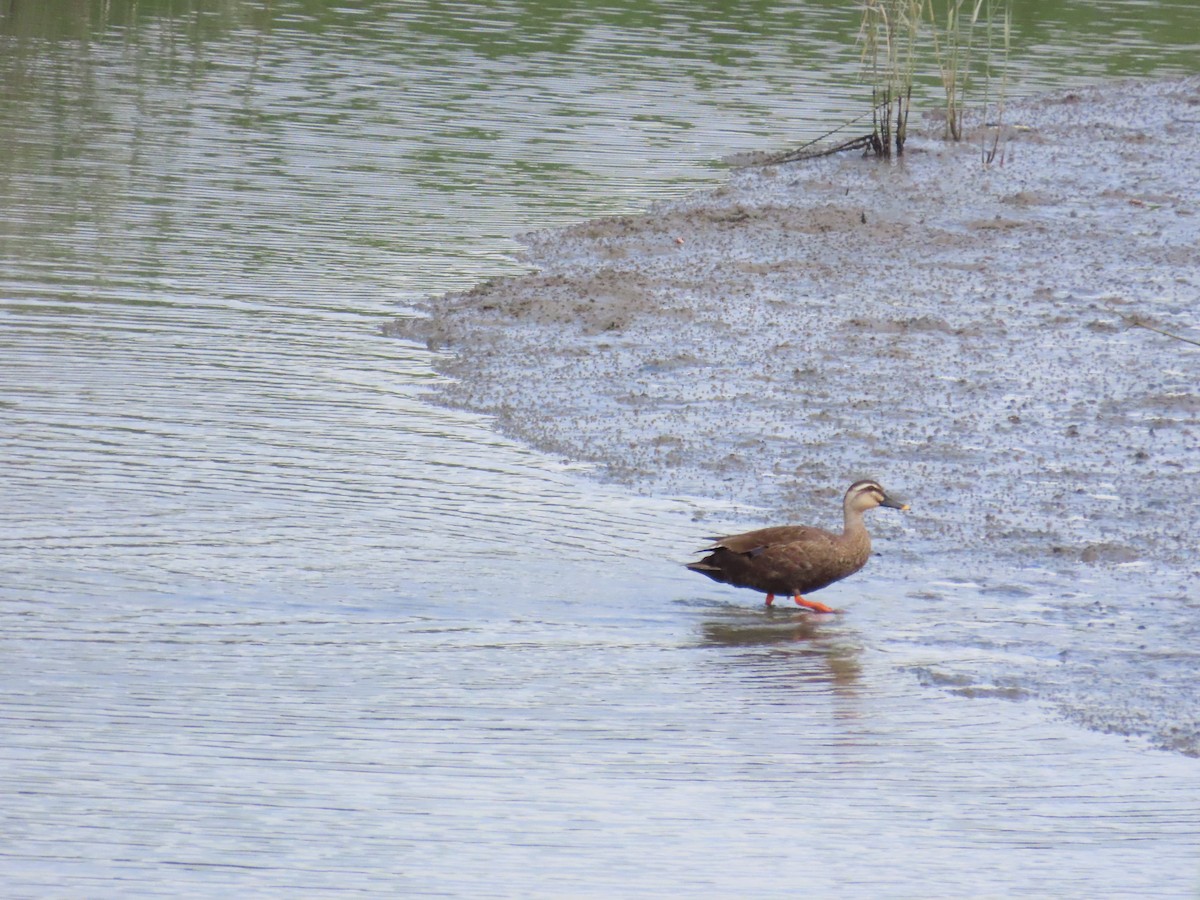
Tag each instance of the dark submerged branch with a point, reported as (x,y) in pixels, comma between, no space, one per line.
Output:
(1138,322)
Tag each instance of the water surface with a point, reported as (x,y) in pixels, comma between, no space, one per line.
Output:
(272,620)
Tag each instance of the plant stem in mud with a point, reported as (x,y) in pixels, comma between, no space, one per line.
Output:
(989,155)
(888,35)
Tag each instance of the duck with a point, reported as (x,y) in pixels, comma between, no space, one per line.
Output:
(794,560)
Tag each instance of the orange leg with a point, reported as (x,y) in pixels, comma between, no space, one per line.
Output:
(770,599)
(814,605)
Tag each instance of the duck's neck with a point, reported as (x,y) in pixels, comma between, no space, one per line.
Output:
(855,529)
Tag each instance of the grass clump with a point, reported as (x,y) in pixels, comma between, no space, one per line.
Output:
(891,36)
(889,33)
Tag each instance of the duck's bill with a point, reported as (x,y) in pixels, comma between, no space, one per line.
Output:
(893,503)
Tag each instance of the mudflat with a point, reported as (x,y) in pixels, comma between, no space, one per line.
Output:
(979,335)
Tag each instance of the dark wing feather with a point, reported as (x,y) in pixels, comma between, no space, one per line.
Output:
(754,543)
(785,559)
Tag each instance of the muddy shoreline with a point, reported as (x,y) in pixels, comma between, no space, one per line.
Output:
(962,331)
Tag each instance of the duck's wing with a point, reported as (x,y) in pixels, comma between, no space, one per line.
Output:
(754,543)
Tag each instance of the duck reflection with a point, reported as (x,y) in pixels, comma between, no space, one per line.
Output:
(796,644)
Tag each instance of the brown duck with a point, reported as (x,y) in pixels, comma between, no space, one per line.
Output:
(797,559)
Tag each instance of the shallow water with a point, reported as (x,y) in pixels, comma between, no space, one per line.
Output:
(272,620)
(564,740)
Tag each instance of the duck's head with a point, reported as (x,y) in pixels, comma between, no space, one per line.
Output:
(868,494)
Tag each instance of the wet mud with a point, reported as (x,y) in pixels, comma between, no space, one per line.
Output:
(967,332)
